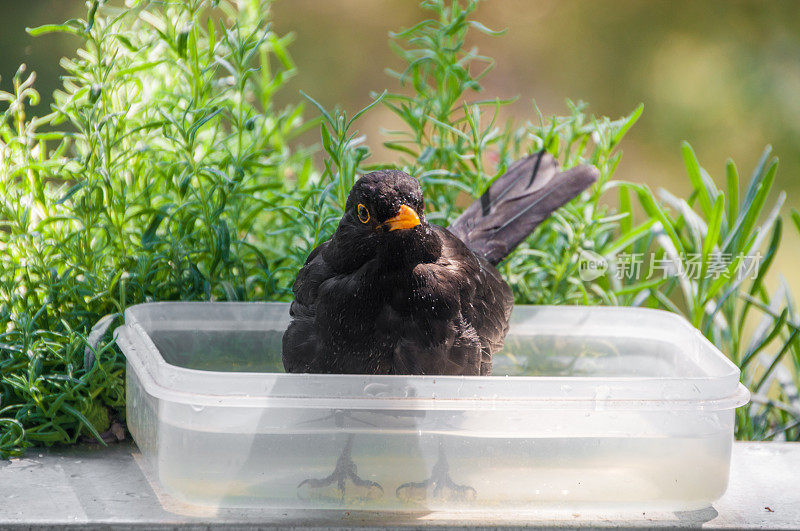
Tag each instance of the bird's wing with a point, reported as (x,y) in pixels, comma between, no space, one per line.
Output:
(517,202)
(446,346)
(485,307)
(300,341)
(313,273)
(491,310)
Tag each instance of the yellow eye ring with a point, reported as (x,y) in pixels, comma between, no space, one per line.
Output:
(363,213)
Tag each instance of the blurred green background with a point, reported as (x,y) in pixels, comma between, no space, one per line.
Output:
(724,75)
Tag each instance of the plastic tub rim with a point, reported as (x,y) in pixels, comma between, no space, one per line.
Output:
(139,350)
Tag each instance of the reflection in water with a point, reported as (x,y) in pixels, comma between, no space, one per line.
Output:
(523,355)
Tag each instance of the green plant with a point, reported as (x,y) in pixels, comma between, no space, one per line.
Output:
(444,144)
(156,176)
(166,171)
(725,247)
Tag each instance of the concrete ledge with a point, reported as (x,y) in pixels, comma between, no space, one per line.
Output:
(86,487)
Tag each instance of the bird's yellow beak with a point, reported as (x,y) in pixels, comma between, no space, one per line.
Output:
(406,218)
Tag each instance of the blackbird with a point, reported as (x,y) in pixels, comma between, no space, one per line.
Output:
(390,293)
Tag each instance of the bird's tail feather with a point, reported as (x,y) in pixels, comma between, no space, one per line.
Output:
(517,202)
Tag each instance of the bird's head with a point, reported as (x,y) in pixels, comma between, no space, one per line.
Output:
(385,201)
(384,218)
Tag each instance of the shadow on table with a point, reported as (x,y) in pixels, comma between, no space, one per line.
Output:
(696,518)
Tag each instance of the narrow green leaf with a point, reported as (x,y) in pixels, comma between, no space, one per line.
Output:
(53,28)
(72,191)
(757,175)
(694,171)
(83,420)
(149,234)
(777,359)
(714,225)
(365,109)
(764,266)
(751,210)
(483,29)
(796,219)
(733,191)
(326,138)
(629,238)
(630,122)
(92,14)
(652,208)
(322,111)
(766,340)
(625,224)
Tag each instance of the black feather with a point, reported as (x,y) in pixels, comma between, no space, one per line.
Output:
(517,202)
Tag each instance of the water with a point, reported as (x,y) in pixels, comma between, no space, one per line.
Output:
(523,355)
(221,350)
(559,458)
(265,470)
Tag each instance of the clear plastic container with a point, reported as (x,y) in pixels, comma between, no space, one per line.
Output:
(588,407)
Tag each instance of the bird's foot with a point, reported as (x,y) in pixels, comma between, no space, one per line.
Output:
(344,484)
(439,487)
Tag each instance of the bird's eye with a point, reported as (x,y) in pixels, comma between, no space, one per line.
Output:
(363,213)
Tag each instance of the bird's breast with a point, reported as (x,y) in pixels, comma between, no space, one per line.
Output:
(424,293)
(364,316)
